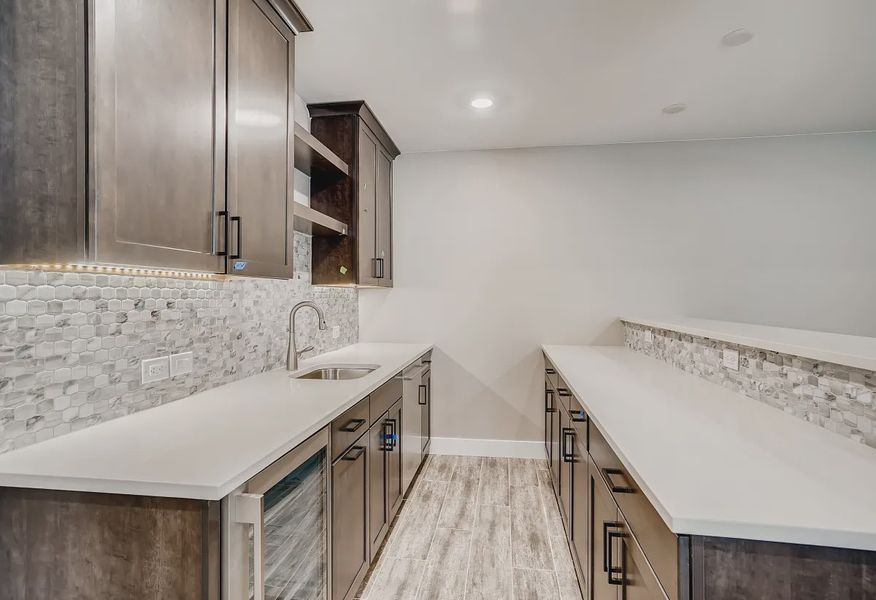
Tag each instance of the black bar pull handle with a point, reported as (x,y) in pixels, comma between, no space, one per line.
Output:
(393,433)
(223,214)
(550,371)
(354,453)
(549,402)
(421,395)
(578,416)
(609,542)
(386,436)
(568,455)
(564,392)
(239,252)
(606,550)
(617,489)
(353,425)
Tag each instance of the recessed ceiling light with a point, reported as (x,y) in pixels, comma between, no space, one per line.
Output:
(674,109)
(737,37)
(482,102)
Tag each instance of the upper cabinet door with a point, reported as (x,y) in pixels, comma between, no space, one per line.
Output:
(384,218)
(157,168)
(261,52)
(369,269)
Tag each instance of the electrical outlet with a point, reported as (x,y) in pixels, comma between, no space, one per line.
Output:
(336,332)
(730,359)
(181,363)
(649,336)
(155,369)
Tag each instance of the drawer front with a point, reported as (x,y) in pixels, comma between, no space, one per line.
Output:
(384,397)
(564,394)
(580,422)
(550,373)
(637,575)
(658,542)
(349,427)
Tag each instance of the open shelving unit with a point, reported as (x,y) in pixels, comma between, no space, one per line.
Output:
(313,222)
(313,158)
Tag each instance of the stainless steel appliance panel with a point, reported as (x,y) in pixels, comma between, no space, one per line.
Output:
(276,529)
(412,424)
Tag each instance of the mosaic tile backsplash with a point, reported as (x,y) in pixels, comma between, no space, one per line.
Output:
(836,397)
(71,343)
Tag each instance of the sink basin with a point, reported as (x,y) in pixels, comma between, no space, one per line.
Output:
(335,372)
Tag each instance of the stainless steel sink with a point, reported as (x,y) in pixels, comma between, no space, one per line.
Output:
(335,372)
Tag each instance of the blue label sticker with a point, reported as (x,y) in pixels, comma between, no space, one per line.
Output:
(240,265)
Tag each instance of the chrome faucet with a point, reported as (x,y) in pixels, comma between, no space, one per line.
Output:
(293,353)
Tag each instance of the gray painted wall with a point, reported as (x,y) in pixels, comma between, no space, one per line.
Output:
(499,251)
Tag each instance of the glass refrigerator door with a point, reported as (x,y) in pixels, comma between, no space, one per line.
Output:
(295,518)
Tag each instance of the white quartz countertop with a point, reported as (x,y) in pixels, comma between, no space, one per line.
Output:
(208,444)
(716,463)
(850,350)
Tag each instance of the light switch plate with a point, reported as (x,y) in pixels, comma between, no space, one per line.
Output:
(649,336)
(155,369)
(181,363)
(731,359)
(336,332)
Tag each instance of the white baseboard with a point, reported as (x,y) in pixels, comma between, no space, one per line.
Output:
(478,447)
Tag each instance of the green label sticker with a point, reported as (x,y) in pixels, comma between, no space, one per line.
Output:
(343,270)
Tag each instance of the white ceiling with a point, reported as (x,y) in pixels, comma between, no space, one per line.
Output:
(592,71)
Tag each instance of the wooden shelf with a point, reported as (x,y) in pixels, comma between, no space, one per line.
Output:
(313,158)
(313,222)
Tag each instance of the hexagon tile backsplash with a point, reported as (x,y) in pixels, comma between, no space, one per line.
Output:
(71,343)
(836,397)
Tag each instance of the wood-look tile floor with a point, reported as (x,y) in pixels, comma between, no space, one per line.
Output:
(476,529)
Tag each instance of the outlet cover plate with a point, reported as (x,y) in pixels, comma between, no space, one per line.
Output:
(649,336)
(730,359)
(336,332)
(155,369)
(181,363)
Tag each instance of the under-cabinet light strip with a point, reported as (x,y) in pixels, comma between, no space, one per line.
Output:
(114,270)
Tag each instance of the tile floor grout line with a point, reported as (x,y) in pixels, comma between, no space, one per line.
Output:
(434,533)
(547,529)
(511,530)
(473,528)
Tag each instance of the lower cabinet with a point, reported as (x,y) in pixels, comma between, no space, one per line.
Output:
(426,404)
(604,526)
(368,472)
(579,522)
(624,550)
(350,548)
(384,473)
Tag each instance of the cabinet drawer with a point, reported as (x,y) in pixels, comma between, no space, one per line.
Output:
(564,394)
(349,427)
(384,397)
(658,542)
(580,422)
(550,373)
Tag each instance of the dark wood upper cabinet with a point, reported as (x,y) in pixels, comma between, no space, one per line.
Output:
(363,201)
(117,121)
(158,151)
(261,75)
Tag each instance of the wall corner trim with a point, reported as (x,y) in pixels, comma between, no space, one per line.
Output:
(493,448)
